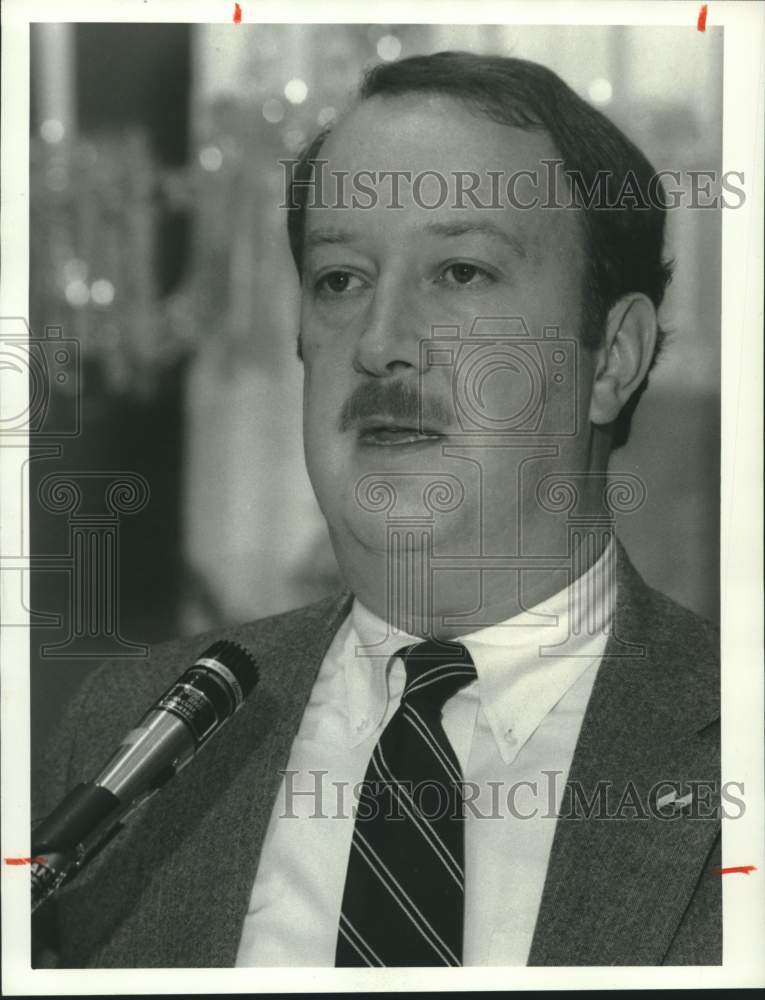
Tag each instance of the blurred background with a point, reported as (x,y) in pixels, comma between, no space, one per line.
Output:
(158,245)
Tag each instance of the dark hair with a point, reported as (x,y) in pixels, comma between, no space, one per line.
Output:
(624,241)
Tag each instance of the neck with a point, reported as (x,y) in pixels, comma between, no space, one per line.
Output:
(452,604)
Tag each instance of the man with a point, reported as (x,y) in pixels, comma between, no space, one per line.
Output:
(527,732)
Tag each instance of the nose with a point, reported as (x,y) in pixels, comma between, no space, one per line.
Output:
(390,341)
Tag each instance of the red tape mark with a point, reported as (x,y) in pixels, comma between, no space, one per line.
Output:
(238,14)
(26,861)
(743,869)
(701,24)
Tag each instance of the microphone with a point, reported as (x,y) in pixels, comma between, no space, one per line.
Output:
(163,742)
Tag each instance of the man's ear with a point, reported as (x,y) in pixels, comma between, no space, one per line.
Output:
(624,357)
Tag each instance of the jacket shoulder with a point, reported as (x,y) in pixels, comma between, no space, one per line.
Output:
(676,625)
(676,653)
(645,613)
(140,679)
(115,695)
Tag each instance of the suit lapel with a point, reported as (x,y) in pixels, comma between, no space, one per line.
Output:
(617,887)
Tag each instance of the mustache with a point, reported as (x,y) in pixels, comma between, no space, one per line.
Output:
(399,400)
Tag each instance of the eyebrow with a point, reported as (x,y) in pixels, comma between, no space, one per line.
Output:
(450,230)
(486,228)
(319,237)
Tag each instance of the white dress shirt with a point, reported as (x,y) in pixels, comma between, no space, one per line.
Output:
(517,723)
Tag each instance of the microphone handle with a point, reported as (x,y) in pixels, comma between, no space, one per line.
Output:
(81,823)
(165,740)
(93,812)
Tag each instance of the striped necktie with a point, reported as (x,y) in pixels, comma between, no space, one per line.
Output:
(403,902)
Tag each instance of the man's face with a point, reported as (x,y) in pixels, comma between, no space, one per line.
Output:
(377,282)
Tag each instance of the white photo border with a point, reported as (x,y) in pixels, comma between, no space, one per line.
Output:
(741,501)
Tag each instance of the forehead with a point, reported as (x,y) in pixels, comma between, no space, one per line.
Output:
(414,131)
(437,145)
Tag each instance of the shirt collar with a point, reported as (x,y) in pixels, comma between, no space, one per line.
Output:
(369,649)
(524,664)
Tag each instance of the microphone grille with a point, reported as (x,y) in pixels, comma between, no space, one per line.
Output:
(237,659)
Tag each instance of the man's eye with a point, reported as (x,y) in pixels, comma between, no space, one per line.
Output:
(464,274)
(338,282)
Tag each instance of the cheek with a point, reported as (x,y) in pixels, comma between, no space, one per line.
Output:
(316,397)
(324,393)
(317,441)
(324,334)
(558,300)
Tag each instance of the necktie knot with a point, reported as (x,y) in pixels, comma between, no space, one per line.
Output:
(435,670)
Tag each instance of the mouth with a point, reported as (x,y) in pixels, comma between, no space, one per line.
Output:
(384,433)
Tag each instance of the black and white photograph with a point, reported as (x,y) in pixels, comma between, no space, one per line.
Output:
(381,438)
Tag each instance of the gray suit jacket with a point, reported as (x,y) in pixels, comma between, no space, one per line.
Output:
(635,889)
